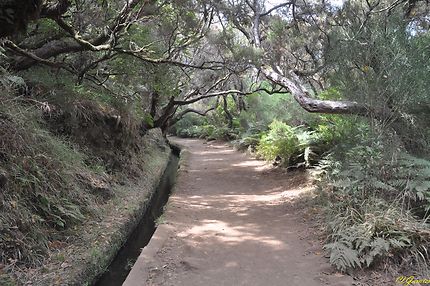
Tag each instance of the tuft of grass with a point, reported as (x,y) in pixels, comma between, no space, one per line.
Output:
(160,220)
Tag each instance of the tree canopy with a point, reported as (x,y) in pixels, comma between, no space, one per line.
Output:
(209,49)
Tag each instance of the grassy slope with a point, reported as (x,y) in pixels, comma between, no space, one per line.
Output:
(70,198)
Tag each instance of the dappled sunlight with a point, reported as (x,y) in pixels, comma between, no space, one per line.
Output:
(196,205)
(216,152)
(250,163)
(238,209)
(212,159)
(232,264)
(213,169)
(265,167)
(257,166)
(224,233)
(276,195)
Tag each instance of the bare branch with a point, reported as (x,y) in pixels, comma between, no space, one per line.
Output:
(219,81)
(250,5)
(94,64)
(220,93)
(199,112)
(212,65)
(276,8)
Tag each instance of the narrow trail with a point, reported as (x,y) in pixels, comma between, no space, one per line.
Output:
(230,221)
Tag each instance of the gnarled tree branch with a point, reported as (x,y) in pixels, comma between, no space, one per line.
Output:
(301,95)
(77,44)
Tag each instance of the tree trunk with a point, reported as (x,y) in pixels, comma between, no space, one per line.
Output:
(155,98)
(166,114)
(228,115)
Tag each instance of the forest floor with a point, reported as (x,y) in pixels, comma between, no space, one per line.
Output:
(234,220)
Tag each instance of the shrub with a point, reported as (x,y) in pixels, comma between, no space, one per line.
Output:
(331,130)
(198,131)
(248,142)
(281,140)
(206,131)
(186,127)
(224,133)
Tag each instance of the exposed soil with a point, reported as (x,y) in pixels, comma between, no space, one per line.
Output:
(233,220)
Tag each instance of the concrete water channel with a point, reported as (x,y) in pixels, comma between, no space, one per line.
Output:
(118,270)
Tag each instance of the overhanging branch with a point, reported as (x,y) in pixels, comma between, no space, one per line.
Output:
(85,44)
(301,95)
(12,46)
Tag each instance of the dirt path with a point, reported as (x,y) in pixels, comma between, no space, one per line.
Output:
(231,222)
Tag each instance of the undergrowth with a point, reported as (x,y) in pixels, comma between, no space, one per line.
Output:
(377,209)
(57,161)
(281,141)
(39,192)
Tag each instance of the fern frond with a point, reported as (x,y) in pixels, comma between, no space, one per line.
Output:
(342,256)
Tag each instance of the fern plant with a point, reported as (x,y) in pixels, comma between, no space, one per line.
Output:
(359,236)
(281,140)
(373,206)
(285,142)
